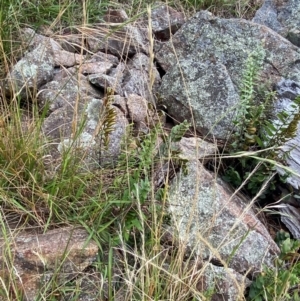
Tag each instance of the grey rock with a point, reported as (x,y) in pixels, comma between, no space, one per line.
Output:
(191,149)
(287,91)
(121,103)
(66,90)
(287,88)
(121,41)
(36,258)
(103,57)
(213,44)
(137,108)
(225,283)
(104,81)
(32,71)
(207,89)
(282,17)
(118,72)
(59,128)
(115,16)
(109,155)
(214,222)
(94,67)
(61,57)
(63,123)
(67,59)
(71,42)
(165,21)
(290,216)
(85,68)
(267,15)
(137,78)
(196,149)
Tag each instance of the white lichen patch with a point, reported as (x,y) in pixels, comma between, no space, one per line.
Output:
(34,69)
(93,113)
(84,141)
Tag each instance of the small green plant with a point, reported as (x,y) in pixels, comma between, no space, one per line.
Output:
(139,165)
(281,282)
(255,131)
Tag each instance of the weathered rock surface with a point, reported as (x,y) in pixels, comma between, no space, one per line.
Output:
(191,149)
(61,57)
(65,90)
(32,71)
(215,223)
(121,41)
(60,253)
(282,17)
(226,284)
(196,149)
(104,81)
(165,21)
(203,91)
(138,76)
(206,45)
(290,216)
(287,91)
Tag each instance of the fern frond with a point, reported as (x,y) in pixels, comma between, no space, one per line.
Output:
(179,130)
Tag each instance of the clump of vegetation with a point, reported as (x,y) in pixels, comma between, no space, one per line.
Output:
(258,134)
(260,138)
(281,282)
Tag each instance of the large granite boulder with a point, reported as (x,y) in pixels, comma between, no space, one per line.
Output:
(205,63)
(217,223)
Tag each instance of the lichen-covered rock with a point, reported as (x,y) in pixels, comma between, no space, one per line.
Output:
(105,155)
(60,56)
(193,148)
(223,46)
(66,90)
(204,89)
(165,21)
(60,253)
(225,284)
(189,149)
(63,123)
(120,41)
(31,72)
(287,91)
(213,221)
(282,17)
(138,76)
(104,81)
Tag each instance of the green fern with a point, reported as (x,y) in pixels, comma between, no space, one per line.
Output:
(256,131)
(179,130)
(249,114)
(277,133)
